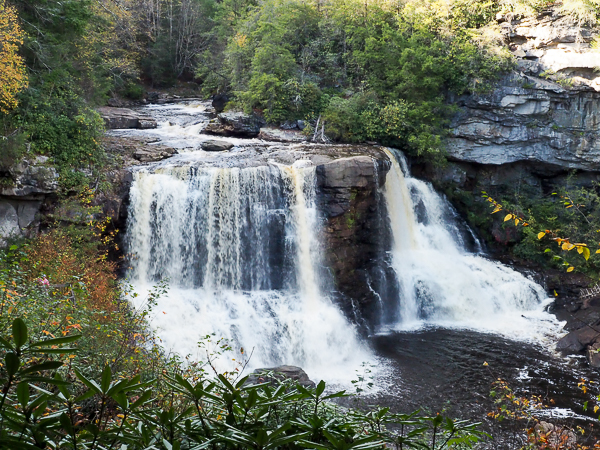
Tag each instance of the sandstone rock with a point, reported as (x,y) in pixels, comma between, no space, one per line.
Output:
(354,230)
(593,354)
(27,211)
(9,221)
(216,146)
(528,119)
(234,124)
(119,118)
(31,177)
(280,373)
(18,217)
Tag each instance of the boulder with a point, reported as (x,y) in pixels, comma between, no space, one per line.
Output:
(120,118)
(578,340)
(593,354)
(234,124)
(219,101)
(9,221)
(276,374)
(150,154)
(214,145)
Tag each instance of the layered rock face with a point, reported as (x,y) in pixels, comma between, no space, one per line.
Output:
(547,111)
(21,202)
(528,119)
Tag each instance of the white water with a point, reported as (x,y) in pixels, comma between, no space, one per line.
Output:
(441,284)
(240,250)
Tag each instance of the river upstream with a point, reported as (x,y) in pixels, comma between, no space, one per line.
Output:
(238,235)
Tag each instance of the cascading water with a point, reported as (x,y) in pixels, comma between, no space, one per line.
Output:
(442,284)
(240,250)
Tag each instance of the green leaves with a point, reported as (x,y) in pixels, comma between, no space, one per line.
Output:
(19,331)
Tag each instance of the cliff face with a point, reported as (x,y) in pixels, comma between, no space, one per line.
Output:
(547,111)
(356,236)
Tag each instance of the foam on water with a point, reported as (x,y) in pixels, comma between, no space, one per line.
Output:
(441,284)
(240,249)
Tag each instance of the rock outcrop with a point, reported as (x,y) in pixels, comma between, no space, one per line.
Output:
(356,232)
(528,119)
(214,145)
(547,111)
(235,124)
(32,181)
(120,118)
(275,375)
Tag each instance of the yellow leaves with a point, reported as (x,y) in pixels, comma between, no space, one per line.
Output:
(571,269)
(240,39)
(541,234)
(508,217)
(13,76)
(596,408)
(517,222)
(567,246)
(485,364)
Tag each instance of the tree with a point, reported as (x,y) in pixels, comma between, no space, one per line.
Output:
(13,77)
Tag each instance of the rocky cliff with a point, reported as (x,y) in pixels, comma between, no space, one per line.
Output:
(547,111)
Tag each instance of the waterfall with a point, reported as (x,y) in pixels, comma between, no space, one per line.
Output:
(240,249)
(442,284)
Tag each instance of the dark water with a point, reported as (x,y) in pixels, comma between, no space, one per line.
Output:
(443,370)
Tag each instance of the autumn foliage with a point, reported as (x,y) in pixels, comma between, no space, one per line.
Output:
(13,77)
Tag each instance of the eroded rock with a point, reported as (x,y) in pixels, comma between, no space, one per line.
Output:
(214,145)
(528,119)
(120,118)
(234,124)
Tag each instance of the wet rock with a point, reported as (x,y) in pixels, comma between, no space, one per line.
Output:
(219,101)
(593,354)
(150,154)
(153,97)
(120,118)
(275,374)
(576,341)
(216,146)
(355,231)
(234,124)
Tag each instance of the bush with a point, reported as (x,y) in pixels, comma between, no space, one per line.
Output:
(57,123)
